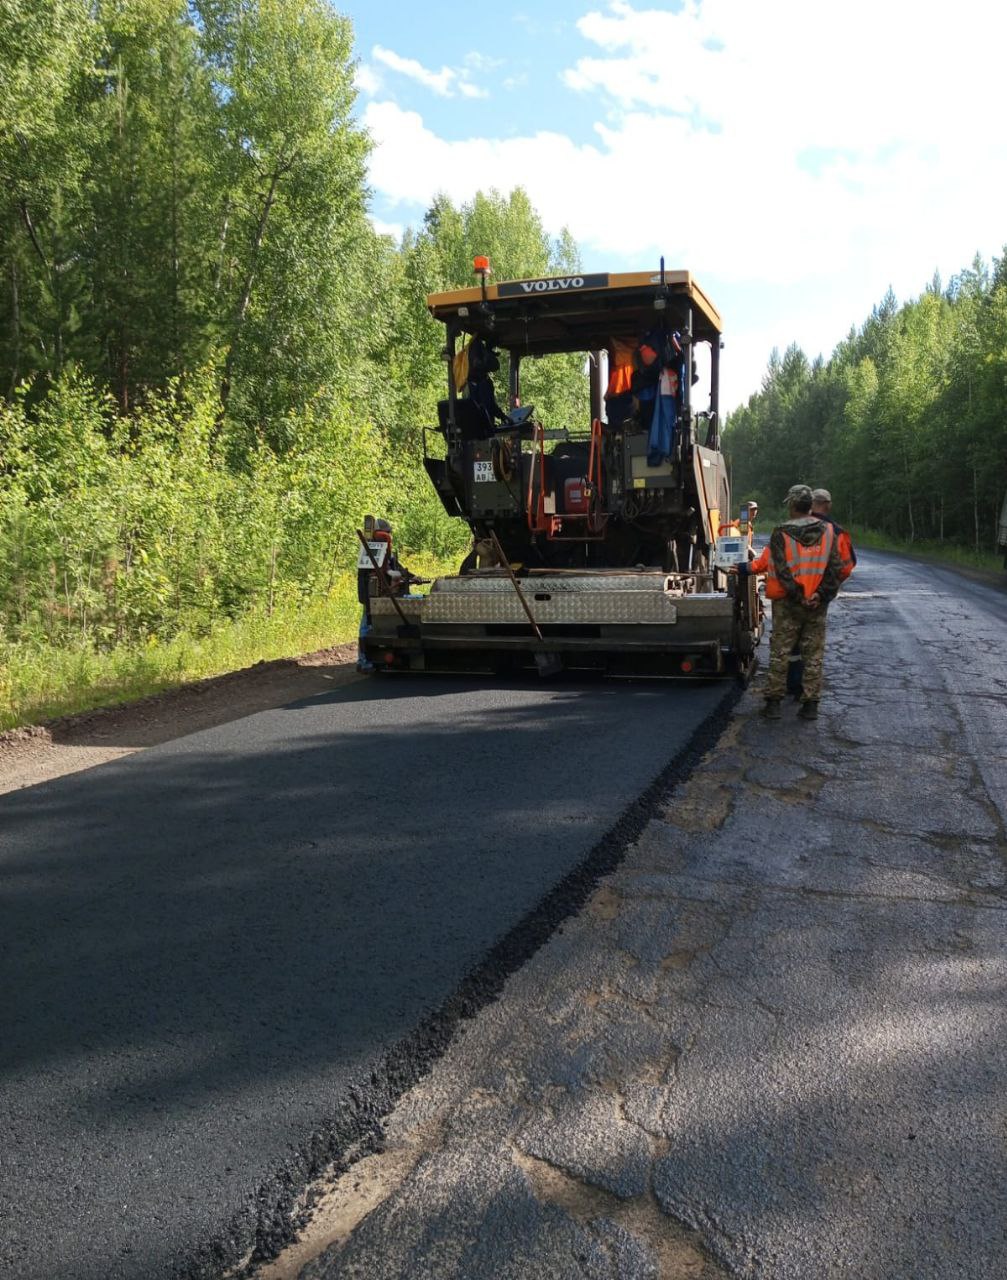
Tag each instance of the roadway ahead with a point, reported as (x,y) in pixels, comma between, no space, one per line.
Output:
(202,946)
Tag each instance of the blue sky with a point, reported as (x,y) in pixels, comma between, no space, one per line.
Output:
(797,157)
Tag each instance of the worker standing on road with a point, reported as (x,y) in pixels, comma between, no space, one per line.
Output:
(821,508)
(379,537)
(803,568)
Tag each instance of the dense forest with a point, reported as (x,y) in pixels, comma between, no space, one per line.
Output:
(211,365)
(906,424)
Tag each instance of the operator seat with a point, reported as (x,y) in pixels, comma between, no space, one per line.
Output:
(471,420)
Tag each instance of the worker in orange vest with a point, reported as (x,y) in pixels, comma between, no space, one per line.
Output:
(619,393)
(803,569)
(821,507)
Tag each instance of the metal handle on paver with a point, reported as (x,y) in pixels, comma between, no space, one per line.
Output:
(517,586)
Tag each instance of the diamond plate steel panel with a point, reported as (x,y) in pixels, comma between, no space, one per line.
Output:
(382,607)
(532,583)
(626,607)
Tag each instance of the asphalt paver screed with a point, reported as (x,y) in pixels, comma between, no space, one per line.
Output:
(773,1044)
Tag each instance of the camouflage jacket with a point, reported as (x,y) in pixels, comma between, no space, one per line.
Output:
(807,530)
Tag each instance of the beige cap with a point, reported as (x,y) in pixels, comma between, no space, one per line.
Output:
(821,495)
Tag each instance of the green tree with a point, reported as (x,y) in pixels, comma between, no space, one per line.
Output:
(152,187)
(294,226)
(211,363)
(906,422)
(46,54)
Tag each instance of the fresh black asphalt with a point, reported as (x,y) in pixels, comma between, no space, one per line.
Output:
(208,950)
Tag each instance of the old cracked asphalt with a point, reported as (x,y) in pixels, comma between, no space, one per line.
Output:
(774,1043)
(207,948)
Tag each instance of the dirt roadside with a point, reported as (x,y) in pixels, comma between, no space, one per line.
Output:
(38,753)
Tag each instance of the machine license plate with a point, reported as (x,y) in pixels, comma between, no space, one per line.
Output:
(482,471)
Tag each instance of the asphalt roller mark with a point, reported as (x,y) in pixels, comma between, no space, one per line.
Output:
(223,958)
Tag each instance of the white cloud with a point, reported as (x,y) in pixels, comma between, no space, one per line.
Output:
(825,76)
(366,80)
(393,229)
(411,163)
(445,83)
(479,61)
(779,145)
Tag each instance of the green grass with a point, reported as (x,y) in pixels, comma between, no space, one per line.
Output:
(39,681)
(941,552)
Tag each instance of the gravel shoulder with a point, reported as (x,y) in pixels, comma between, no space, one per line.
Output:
(774,1042)
(39,753)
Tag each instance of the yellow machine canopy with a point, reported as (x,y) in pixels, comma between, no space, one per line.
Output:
(577,312)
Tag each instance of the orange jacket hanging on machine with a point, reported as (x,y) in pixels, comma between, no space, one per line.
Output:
(620,363)
(807,564)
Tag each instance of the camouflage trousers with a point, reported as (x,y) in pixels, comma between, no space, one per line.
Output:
(794,625)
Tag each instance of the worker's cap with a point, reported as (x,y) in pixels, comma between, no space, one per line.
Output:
(382,526)
(798,495)
(821,495)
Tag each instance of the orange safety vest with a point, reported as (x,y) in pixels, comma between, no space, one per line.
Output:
(807,564)
(845,548)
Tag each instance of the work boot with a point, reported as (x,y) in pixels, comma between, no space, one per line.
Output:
(771,709)
(809,709)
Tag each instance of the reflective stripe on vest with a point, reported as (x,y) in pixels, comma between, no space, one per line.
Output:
(807,564)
